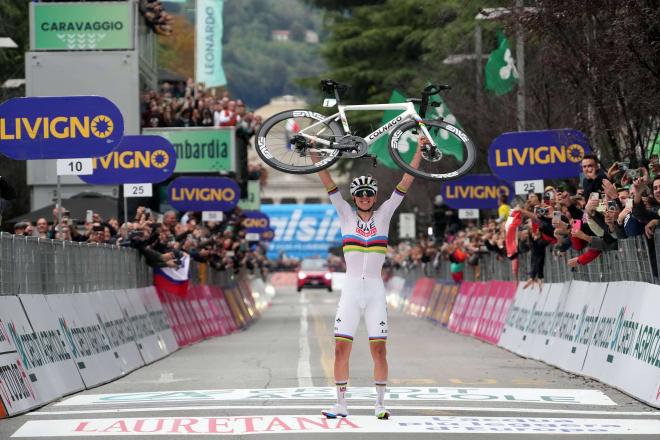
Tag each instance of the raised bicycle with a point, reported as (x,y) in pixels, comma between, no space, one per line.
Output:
(286,139)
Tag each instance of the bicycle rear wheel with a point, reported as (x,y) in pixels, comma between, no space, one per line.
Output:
(281,146)
(454,157)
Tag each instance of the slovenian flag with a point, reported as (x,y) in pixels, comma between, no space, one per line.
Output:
(173,279)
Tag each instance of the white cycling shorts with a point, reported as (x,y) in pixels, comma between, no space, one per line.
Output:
(360,296)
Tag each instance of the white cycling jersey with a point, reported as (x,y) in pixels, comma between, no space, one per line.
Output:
(365,246)
(365,243)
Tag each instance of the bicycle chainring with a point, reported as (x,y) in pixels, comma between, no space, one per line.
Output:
(352,146)
(432,154)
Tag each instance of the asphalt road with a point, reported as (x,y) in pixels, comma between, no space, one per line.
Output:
(276,376)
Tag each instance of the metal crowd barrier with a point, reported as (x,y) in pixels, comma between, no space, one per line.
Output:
(34,265)
(634,260)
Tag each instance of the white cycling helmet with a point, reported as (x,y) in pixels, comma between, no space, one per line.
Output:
(364,185)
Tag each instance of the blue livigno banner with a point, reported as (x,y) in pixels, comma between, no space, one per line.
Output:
(476,191)
(547,154)
(203,194)
(256,221)
(59,127)
(138,159)
(303,230)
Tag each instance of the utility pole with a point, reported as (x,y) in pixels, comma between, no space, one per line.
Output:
(520,64)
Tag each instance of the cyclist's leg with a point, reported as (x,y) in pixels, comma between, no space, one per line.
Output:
(346,323)
(375,315)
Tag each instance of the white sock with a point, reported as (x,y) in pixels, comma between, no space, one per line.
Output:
(380,393)
(341,392)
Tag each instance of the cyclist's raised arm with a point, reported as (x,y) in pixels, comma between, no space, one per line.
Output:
(324,175)
(407,179)
(341,205)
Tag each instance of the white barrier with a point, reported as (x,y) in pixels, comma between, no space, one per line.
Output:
(149,342)
(159,319)
(62,372)
(610,332)
(86,340)
(117,329)
(16,392)
(625,343)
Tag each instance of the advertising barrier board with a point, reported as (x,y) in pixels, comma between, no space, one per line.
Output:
(576,319)
(476,191)
(59,127)
(547,154)
(159,319)
(17,394)
(498,302)
(148,341)
(203,194)
(85,338)
(137,159)
(62,372)
(624,348)
(303,230)
(518,321)
(117,329)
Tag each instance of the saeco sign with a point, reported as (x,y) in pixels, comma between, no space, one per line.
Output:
(256,221)
(138,159)
(548,154)
(203,194)
(475,191)
(59,127)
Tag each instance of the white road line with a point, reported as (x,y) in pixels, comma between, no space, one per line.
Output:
(351,407)
(304,368)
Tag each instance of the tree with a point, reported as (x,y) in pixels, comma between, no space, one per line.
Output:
(607,60)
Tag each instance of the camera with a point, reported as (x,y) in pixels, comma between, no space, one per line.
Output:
(623,166)
(633,174)
(541,211)
(612,206)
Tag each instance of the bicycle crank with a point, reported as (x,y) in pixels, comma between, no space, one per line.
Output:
(431,153)
(352,146)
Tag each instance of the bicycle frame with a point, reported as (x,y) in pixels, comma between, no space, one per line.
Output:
(409,113)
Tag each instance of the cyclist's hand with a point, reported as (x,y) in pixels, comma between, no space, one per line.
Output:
(423,140)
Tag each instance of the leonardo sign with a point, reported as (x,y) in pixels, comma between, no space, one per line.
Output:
(81,26)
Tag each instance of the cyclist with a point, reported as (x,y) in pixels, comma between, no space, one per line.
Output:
(364,236)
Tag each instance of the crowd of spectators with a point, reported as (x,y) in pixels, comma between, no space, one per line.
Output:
(186,104)
(158,20)
(609,204)
(163,239)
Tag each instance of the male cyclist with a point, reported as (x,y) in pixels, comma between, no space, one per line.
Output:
(364,235)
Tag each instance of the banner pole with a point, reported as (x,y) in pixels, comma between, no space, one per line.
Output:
(125,209)
(59,200)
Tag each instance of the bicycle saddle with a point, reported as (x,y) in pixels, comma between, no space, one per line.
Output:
(329,86)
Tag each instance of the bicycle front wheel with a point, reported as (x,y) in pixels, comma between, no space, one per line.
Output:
(281,145)
(453,157)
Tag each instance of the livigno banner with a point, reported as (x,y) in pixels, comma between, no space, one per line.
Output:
(475,191)
(200,150)
(81,26)
(546,154)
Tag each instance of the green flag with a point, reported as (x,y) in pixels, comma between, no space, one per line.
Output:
(501,72)
(447,144)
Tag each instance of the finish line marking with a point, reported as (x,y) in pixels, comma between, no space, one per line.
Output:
(351,407)
(453,394)
(277,424)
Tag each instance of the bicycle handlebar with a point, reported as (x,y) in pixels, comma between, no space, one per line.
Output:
(430,90)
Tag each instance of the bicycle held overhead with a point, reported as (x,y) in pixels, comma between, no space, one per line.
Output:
(287,139)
